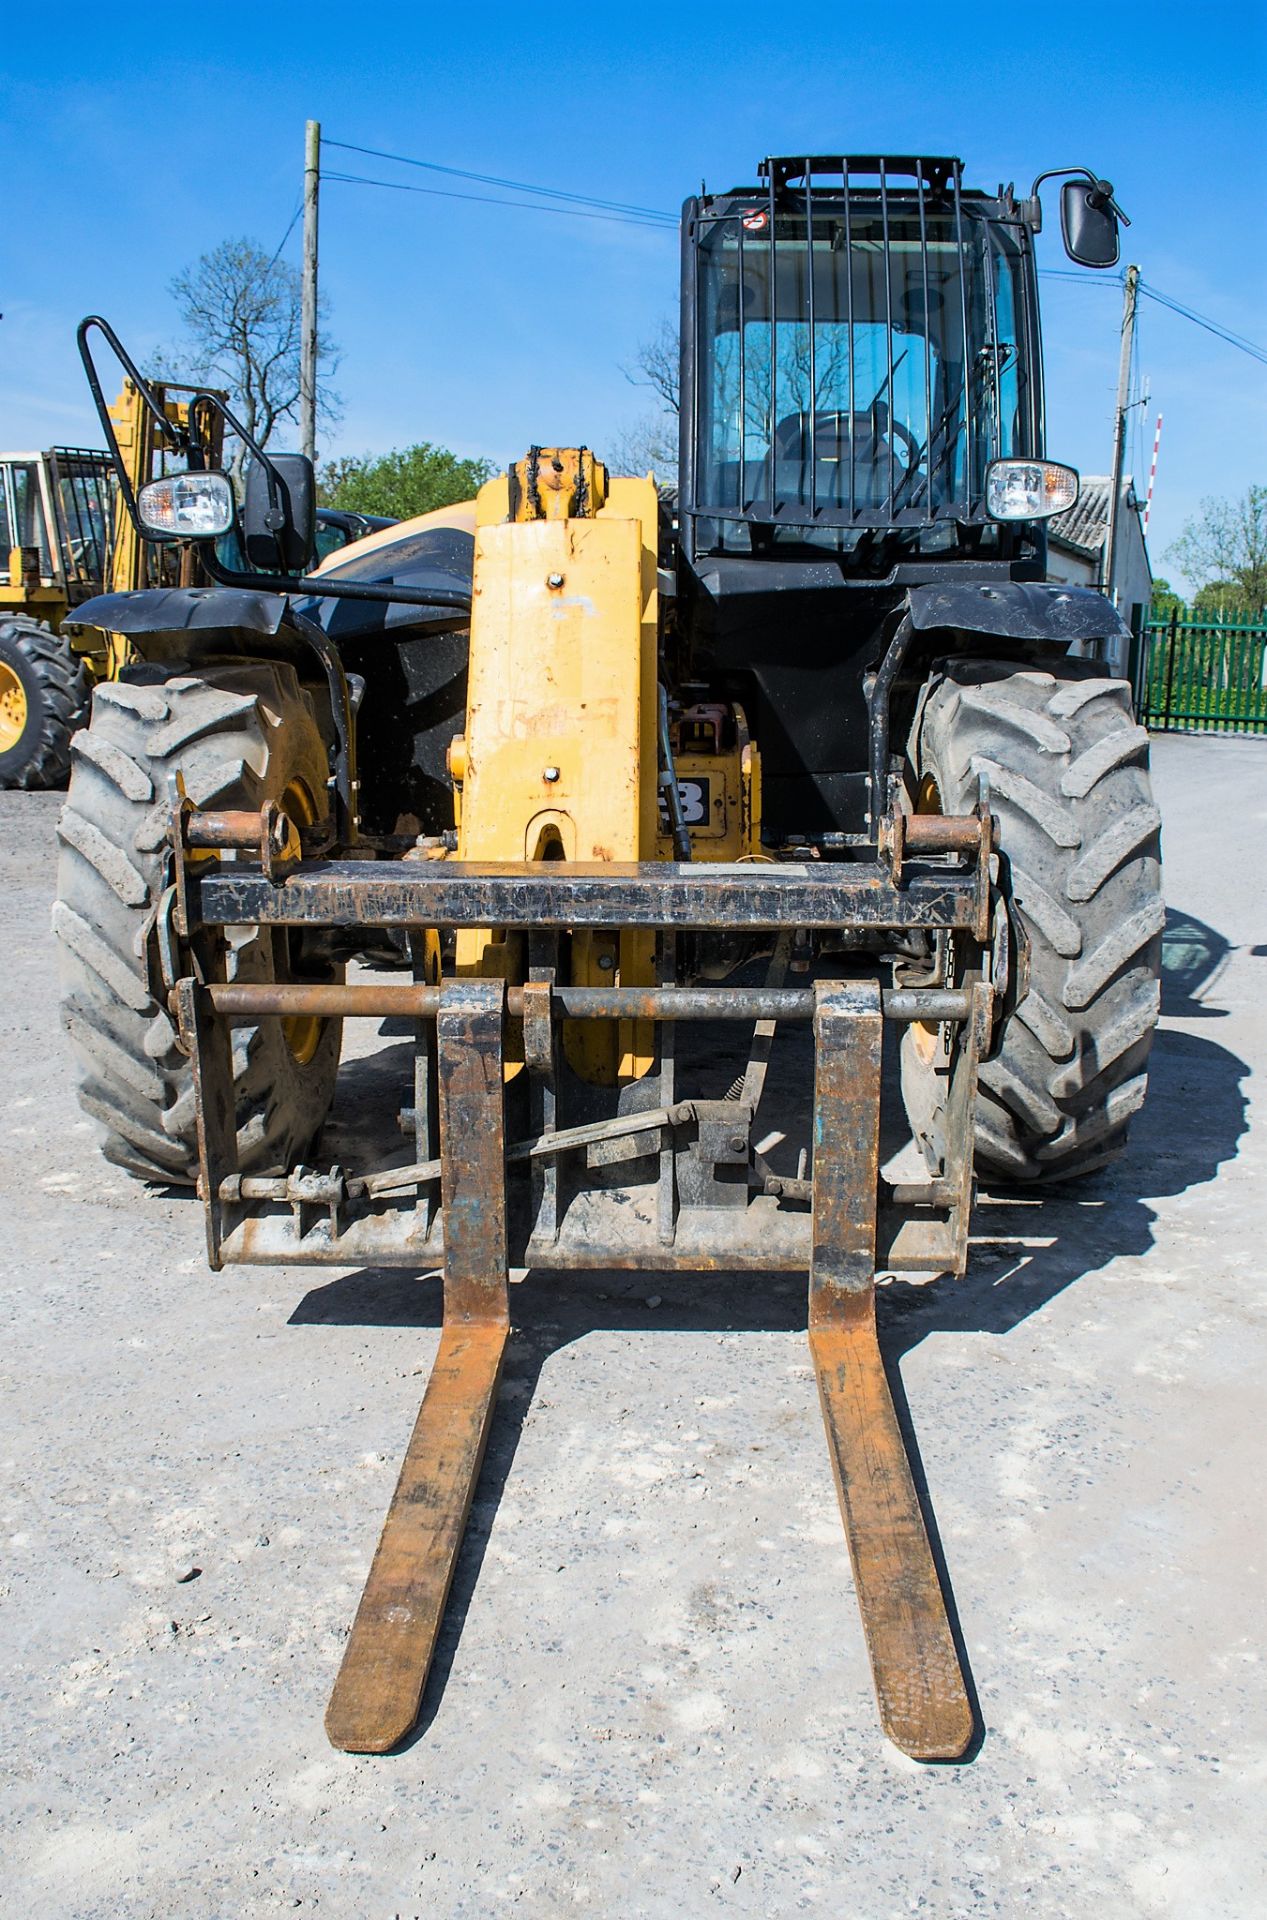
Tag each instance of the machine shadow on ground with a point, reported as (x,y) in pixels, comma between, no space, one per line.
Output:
(1028,1247)
(1025,1252)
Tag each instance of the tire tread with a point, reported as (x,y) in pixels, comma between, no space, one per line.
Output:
(1080,836)
(63,685)
(219,730)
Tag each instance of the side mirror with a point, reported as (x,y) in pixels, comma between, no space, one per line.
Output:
(1088,223)
(279,514)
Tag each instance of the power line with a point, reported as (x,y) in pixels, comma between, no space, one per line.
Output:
(587,207)
(1202,320)
(490,200)
(286,236)
(517,186)
(1166,300)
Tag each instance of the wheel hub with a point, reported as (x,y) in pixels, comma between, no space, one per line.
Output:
(13,708)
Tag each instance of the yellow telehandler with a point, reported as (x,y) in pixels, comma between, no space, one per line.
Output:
(637,802)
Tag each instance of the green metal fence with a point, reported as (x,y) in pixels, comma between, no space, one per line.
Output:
(1203,675)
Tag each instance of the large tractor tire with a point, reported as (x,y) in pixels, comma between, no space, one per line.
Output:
(1080,870)
(239,735)
(43,696)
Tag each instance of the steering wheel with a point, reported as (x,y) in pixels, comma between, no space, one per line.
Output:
(789,436)
(85,555)
(909,444)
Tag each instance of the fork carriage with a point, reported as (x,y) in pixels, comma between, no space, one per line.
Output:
(694,1192)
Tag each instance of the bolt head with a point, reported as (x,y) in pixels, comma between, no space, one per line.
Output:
(606,962)
(737,1143)
(550,773)
(554,581)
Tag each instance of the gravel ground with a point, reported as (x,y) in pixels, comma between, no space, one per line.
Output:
(651,1696)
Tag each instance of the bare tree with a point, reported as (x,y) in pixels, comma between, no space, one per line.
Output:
(657,365)
(241,314)
(652,440)
(1228,545)
(649,443)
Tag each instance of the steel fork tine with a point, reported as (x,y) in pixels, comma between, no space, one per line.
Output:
(380,1685)
(924,1706)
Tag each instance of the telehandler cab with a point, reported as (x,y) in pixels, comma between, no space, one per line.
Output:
(823,749)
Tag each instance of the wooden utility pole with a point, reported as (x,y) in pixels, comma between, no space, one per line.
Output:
(308,307)
(1130,299)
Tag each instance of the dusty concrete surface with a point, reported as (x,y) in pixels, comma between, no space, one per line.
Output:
(652,1696)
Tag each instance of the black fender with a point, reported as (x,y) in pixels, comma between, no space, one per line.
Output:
(1018,610)
(244,622)
(1024,613)
(182,610)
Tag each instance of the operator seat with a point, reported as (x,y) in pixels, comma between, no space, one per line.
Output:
(834,432)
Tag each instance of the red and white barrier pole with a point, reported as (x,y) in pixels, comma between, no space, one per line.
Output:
(1152,473)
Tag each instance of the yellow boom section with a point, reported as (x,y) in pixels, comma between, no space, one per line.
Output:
(558,760)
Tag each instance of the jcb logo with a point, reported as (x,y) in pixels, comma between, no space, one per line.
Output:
(694,798)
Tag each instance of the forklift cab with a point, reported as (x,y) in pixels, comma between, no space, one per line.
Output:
(55,525)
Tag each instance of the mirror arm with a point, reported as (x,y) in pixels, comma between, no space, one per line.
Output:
(186,443)
(177,439)
(276,516)
(1101,194)
(252,445)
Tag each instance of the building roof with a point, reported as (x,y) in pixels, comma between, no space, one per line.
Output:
(1087,521)
(1086,524)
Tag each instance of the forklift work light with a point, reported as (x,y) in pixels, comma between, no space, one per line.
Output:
(1029,489)
(186,506)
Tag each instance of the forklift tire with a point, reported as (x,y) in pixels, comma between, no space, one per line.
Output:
(1079,861)
(43,697)
(239,735)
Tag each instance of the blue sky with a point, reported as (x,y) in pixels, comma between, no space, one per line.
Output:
(130,142)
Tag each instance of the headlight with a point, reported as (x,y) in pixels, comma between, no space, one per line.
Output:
(187,506)
(1028,489)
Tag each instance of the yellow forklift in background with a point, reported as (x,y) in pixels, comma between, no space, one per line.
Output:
(63,542)
(56,510)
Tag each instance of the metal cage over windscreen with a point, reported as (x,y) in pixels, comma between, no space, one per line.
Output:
(85,505)
(862,343)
